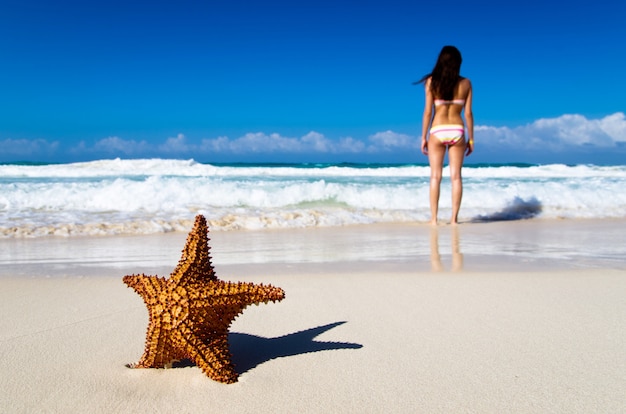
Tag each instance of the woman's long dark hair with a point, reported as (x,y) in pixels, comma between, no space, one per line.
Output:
(446,73)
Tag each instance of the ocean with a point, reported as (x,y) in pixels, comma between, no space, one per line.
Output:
(114,197)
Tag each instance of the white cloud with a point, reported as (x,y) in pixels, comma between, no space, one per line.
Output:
(28,148)
(558,134)
(224,144)
(177,144)
(215,145)
(115,145)
(615,126)
(258,142)
(389,140)
(349,145)
(317,142)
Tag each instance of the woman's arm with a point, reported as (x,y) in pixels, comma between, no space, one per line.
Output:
(469,120)
(427,117)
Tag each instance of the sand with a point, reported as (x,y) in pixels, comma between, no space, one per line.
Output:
(520,317)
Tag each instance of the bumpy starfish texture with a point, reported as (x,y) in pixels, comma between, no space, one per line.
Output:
(190,312)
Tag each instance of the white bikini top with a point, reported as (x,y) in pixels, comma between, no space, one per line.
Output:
(452,102)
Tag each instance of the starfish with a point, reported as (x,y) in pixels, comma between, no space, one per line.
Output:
(190,312)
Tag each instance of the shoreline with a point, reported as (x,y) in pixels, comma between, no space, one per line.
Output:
(524,245)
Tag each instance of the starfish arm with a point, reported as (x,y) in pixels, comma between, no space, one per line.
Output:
(242,294)
(220,303)
(159,351)
(148,287)
(195,262)
(212,357)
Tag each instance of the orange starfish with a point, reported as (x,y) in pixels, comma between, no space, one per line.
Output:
(190,312)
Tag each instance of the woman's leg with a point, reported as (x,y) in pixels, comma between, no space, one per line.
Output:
(456,154)
(436,153)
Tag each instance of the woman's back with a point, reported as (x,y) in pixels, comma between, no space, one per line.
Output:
(449,111)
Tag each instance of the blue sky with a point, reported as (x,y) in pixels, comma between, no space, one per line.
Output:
(305,81)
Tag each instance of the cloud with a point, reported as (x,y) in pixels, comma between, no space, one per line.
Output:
(113,145)
(252,143)
(176,145)
(349,145)
(390,140)
(28,148)
(559,134)
(545,139)
(261,143)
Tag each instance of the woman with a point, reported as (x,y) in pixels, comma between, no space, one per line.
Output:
(448,93)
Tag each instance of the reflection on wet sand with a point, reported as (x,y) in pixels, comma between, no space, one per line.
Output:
(435,256)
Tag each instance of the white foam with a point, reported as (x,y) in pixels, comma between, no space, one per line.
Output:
(144,196)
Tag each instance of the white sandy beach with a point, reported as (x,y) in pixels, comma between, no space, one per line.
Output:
(519,317)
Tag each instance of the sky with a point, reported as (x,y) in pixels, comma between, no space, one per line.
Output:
(306,81)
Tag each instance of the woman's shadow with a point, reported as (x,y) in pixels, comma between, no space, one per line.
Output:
(250,351)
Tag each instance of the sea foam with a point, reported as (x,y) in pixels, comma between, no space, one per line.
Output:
(155,195)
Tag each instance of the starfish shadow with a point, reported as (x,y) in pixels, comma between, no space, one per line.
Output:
(249,351)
